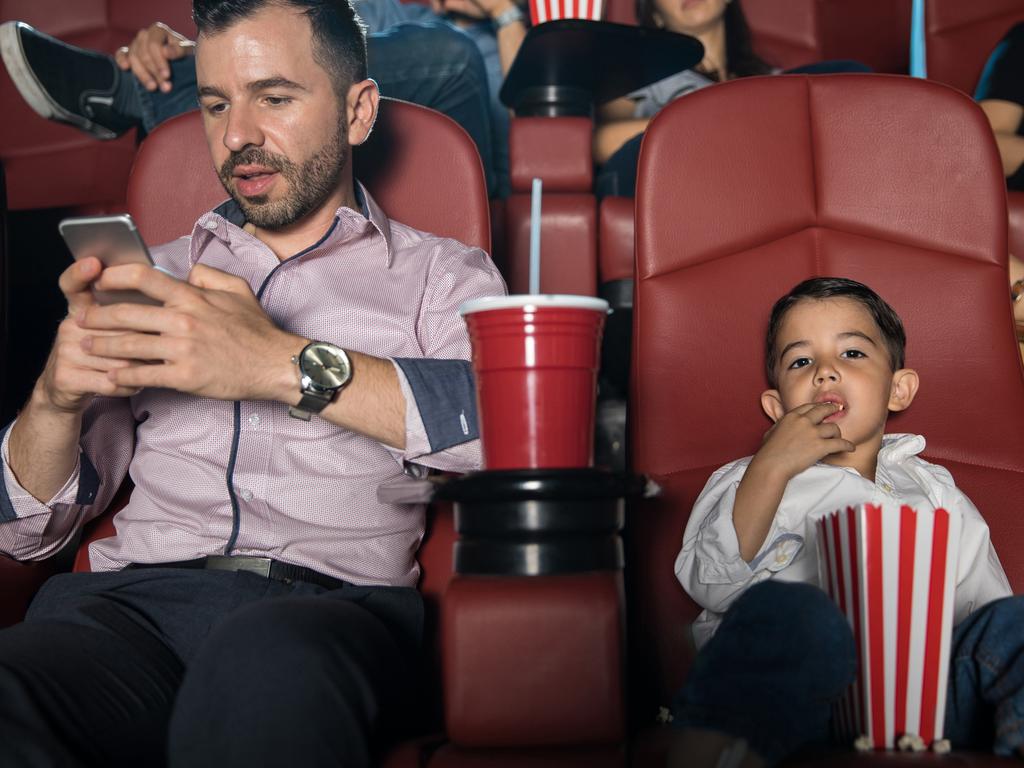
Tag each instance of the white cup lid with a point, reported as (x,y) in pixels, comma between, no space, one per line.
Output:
(533,300)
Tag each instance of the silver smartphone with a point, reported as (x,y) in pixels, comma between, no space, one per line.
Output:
(114,240)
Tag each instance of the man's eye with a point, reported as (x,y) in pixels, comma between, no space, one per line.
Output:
(216,108)
(800,362)
(853,353)
(276,101)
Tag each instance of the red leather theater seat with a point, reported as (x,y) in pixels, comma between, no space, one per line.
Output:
(801,176)
(789,33)
(51,165)
(959,36)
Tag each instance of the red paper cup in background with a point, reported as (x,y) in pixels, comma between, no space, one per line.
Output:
(535,359)
(892,571)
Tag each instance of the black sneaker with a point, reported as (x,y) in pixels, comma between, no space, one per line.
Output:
(64,83)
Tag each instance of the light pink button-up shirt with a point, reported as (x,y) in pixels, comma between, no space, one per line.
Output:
(305,491)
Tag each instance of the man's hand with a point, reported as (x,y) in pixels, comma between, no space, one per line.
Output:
(210,338)
(147,55)
(72,375)
(799,439)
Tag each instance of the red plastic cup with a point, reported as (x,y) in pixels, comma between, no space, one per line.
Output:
(536,360)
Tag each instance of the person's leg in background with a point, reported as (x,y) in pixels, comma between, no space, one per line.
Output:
(985,699)
(437,66)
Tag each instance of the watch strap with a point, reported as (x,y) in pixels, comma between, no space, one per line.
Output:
(311,402)
(508,16)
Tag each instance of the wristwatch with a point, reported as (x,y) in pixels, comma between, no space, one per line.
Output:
(1017,290)
(509,16)
(324,370)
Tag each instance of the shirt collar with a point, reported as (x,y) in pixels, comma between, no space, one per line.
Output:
(897,448)
(228,216)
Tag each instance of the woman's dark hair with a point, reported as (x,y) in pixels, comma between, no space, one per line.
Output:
(739,49)
(820,288)
(339,37)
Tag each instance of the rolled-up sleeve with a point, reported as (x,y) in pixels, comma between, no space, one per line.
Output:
(709,565)
(34,530)
(441,421)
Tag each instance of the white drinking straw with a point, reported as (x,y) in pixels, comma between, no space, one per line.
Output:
(535,237)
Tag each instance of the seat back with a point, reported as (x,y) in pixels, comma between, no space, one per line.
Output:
(960,36)
(791,33)
(780,179)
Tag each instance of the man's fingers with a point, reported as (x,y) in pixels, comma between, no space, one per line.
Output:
(136,377)
(133,317)
(135,346)
(203,276)
(75,281)
(152,282)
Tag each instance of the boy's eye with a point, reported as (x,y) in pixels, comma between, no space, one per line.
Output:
(799,362)
(853,353)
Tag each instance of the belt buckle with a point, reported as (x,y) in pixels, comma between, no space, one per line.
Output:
(258,565)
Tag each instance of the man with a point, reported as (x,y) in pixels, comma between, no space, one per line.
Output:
(257,605)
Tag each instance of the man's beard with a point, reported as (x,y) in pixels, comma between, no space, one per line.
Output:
(309,184)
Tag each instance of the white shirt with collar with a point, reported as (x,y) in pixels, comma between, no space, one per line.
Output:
(713,573)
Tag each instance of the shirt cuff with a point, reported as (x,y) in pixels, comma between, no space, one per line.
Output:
(80,487)
(440,404)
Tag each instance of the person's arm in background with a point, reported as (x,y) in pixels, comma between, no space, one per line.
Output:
(1000,93)
(614,127)
(1005,117)
(510,35)
(148,54)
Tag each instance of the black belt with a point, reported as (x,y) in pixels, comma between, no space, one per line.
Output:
(262,566)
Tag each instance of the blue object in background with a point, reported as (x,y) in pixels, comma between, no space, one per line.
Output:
(918,67)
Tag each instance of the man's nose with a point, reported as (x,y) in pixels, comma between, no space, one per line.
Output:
(242,129)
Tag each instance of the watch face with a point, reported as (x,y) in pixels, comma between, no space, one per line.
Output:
(326,366)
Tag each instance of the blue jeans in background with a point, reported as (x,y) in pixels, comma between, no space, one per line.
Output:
(431,64)
(784,653)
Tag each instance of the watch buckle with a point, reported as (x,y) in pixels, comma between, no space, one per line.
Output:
(298,413)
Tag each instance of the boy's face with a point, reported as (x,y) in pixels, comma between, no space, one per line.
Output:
(832,351)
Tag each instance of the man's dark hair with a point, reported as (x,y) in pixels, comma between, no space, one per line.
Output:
(339,37)
(818,288)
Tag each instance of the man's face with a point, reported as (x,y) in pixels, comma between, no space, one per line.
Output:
(274,123)
(832,351)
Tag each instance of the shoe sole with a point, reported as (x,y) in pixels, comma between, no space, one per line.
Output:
(31,89)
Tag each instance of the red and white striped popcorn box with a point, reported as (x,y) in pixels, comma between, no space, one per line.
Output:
(892,572)
(552,10)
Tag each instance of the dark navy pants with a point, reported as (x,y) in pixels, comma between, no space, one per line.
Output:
(784,653)
(204,668)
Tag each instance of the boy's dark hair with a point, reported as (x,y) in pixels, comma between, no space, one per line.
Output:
(818,288)
(739,49)
(339,37)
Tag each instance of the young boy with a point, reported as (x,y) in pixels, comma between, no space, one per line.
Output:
(773,656)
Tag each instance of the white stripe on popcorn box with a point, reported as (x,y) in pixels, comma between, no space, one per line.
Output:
(551,10)
(892,573)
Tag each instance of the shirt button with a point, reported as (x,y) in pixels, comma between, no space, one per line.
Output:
(246,494)
(210,225)
(255,419)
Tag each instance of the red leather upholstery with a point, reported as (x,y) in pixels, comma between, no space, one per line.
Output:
(788,33)
(615,248)
(845,175)
(50,165)
(408,142)
(959,37)
(506,639)
(556,150)
(1015,206)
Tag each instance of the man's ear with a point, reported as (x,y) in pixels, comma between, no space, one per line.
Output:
(905,382)
(361,110)
(771,402)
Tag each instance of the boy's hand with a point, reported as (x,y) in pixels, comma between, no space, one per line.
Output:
(799,439)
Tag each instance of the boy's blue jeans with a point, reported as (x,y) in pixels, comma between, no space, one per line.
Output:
(784,653)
